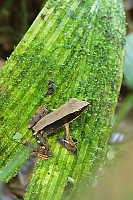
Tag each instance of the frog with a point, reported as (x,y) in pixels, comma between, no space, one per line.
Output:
(44,124)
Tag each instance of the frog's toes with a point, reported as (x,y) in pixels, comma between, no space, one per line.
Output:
(65,143)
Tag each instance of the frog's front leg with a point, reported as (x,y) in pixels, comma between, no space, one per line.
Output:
(69,139)
(68,142)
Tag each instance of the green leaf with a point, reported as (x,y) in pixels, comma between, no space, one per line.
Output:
(128,70)
(7,171)
(79,45)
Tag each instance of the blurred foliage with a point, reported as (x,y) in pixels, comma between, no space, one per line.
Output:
(15,19)
(128,70)
(111,183)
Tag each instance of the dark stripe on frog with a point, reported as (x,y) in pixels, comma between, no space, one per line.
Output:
(59,123)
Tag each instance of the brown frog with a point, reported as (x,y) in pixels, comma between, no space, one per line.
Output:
(43,124)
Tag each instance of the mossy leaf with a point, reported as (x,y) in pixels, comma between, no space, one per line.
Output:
(77,44)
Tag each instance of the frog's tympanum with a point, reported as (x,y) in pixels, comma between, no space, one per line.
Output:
(43,124)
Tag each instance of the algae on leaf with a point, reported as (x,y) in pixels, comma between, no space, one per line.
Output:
(77,44)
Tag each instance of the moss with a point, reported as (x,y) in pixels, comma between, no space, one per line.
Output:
(78,44)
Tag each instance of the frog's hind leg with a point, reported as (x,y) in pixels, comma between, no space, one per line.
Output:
(44,147)
(68,142)
(41,112)
(36,149)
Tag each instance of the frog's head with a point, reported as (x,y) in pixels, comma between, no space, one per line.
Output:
(76,108)
(78,105)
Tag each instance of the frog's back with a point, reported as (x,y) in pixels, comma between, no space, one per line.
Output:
(72,106)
